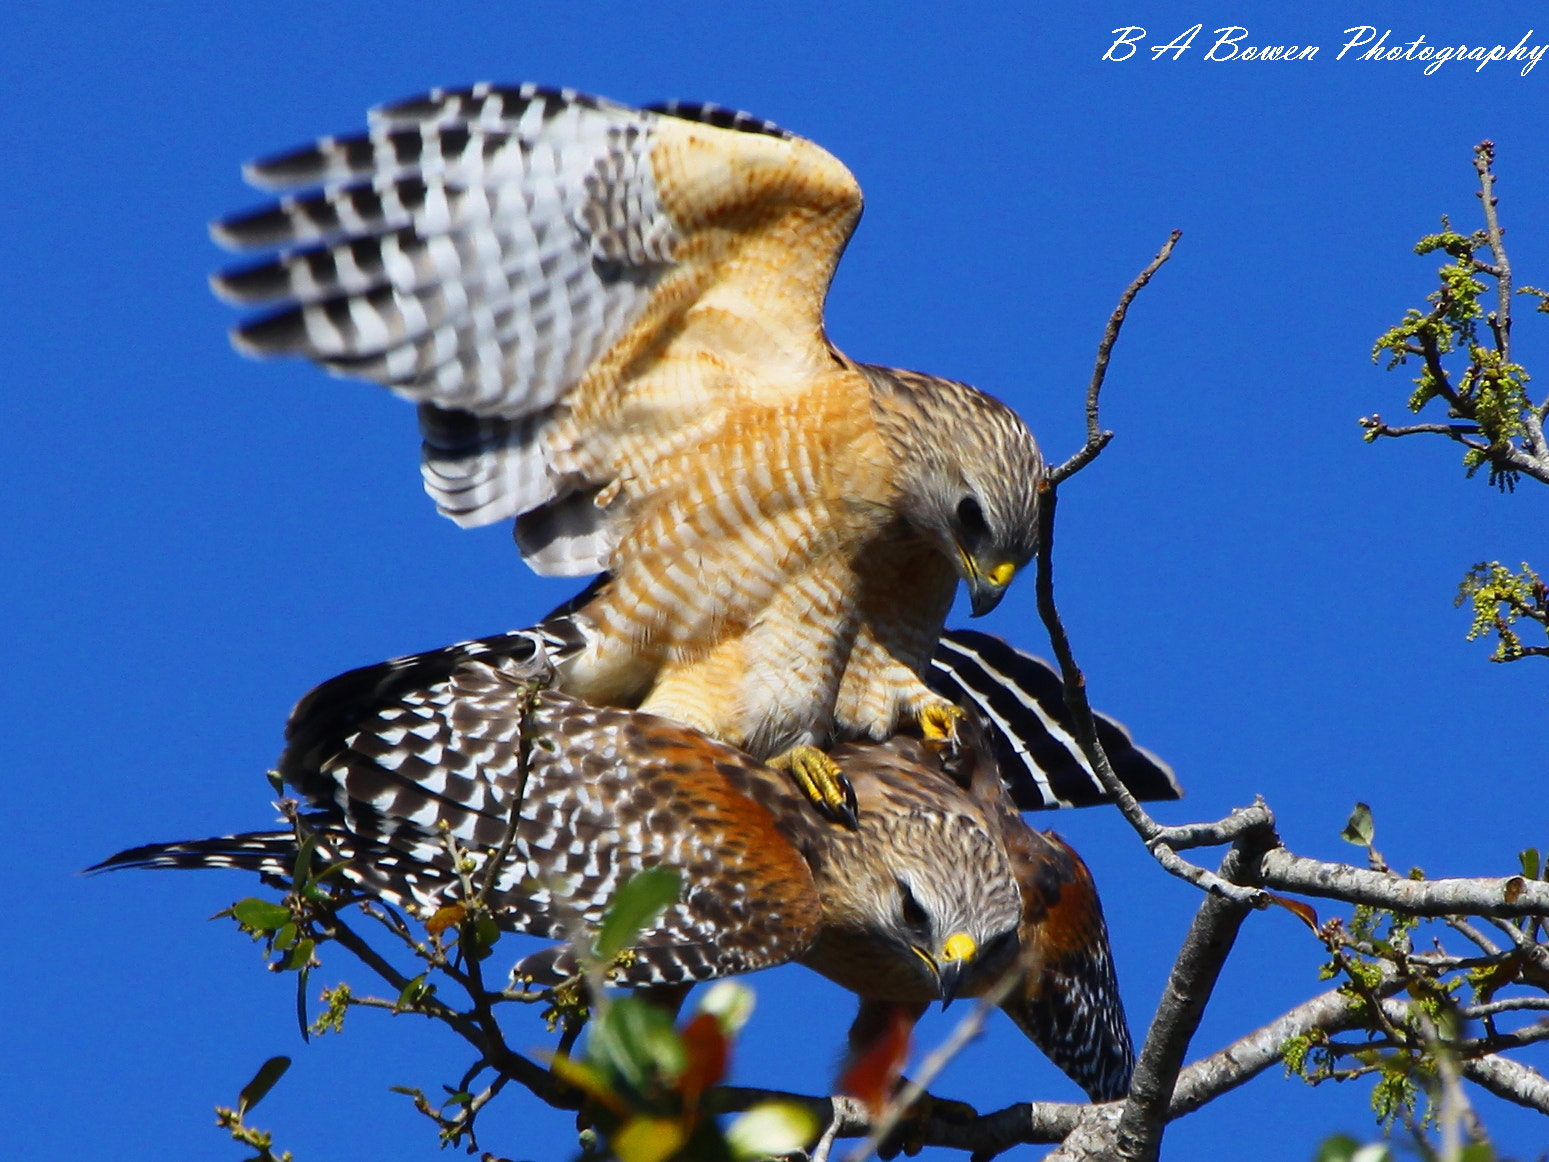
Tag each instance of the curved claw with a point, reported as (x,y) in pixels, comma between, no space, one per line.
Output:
(938,721)
(821,780)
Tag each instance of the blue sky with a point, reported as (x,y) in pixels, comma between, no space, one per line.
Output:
(195,540)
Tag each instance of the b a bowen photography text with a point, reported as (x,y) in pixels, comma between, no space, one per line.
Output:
(1363,43)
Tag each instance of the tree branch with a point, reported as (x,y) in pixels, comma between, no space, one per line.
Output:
(1510,1080)
(1248,1056)
(1511,896)
(1189,987)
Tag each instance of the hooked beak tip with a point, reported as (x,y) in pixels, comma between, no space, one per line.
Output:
(957,954)
(951,981)
(987,587)
(984,597)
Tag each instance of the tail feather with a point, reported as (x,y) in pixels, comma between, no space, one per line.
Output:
(1023,699)
(264,852)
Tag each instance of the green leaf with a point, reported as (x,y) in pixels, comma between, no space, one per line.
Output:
(1530,861)
(260,915)
(302,872)
(330,871)
(299,955)
(413,992)
(485,933)
(637,902)
(301,1001)
(634,1042)
(263,1081)
(1359,830)
(285,935)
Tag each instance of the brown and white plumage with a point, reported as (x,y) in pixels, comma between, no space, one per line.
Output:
(1067,996)
(612,320)
(934,894)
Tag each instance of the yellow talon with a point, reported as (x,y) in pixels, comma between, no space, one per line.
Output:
(939,721)
(821,780)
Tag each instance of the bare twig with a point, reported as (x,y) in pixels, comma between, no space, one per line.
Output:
(1459,432)
(1484,158)
(514,819)
(939,1058)
(1096,438)
(1084,723)
(1483,942)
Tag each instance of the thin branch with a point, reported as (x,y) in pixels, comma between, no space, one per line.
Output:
(514,819)
(1431,353)
(1247,1057)
(1459,432)
(939,1058)
(825,1144)
(1084,724)
(1502,1042)
(1096,438)
(1484,158)
(1485,944)
(1509,1005)
(539,1081)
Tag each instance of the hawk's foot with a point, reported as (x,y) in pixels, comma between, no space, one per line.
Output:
(821,780)
(908,1137)
(938,721)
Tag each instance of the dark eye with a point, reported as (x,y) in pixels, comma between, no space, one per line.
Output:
(914,915)
(971,517)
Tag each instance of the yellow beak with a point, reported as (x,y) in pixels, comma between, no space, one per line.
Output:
(986,586)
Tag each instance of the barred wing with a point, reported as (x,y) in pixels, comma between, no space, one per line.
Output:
(570,288)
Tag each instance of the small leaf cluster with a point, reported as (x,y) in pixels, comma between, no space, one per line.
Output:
(1499,599)
(647,1082)
(1489,391)
(1375,955)
(292,928)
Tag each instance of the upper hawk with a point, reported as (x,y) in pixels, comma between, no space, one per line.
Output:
(612,322)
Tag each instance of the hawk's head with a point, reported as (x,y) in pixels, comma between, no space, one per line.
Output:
(969,473)
(922,902)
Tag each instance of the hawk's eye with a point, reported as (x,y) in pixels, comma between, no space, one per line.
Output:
(914,915)
(971,517)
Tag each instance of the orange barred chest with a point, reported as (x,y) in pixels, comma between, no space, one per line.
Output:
(767,579)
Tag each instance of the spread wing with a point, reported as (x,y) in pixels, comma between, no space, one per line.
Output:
(395,759)
(569,288)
